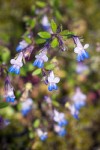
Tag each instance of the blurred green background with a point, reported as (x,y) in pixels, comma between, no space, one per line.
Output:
(80,16)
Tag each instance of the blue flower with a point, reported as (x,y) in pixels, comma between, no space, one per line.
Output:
(22,45)
(40,59)
(52,80)
(79,99)
(9,93)
(10,99)
(42,135)
(80,50)
(24,112)
(63,122)
(60,118)
(79,105)
(45,23)
(16,64)
(74,111)
(26,106)
(62,132)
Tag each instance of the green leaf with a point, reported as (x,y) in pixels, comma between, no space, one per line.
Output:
(55,103)
(66,33)
(45,35)
(36,123)
(40,41)
(53,26)
(28,40)
(40,4)
(36,72)
(50,67)
(31,23)
(54,43)
(3,104)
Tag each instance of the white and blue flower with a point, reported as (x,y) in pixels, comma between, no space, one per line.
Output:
(60,118)
(16,64)
(9,93)
(26,106)
(60,130)
(42,135)
(80,50)
(40,59)
(45,23)
(52,80)
(79,99)
(22,45)
(74,111)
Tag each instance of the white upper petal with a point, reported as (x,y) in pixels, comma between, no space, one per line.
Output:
(45,58)
(76,50)
(86,46)
(56,79)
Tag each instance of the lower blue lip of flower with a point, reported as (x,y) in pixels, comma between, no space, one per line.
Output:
(11,69)
(17,71)
(78,106)
(50,87)
(85,54)
(63,123)
(25,111)
(62,133)
(76,116)
(43,137)
(38,63)
(80,58)
(55,87)
(10,99)
(19,48)
(46,27)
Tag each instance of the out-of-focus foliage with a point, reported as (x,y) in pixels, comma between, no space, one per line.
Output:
(81,17)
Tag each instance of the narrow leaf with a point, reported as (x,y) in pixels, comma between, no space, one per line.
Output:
(36,72)
(53,26)
(3,104)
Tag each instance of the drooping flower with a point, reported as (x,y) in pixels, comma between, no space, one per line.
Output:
(3,123)
(16,64)
(42,135)
(81,68)
(79,98)
(60,118)
(45,23)
(52,80)
(74,111)
(22,45)
(40,59)
(80,49)
(9,91)
(60,130)
(26,106)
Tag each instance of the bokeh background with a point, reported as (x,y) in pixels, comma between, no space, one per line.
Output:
(81,17)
